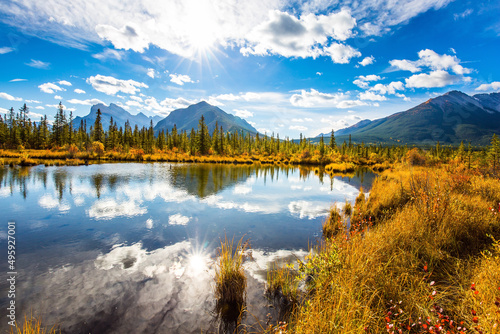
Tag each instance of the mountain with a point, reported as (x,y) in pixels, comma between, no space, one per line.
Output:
(120,116)
(449,119)
(188,118)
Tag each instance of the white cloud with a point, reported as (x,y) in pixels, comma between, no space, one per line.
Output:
(9,97)
(308,36)
(405,65)
(491,86)
(429,58)
(109,209)
(243,113)
(18,80)
(129,37)
(134,104)
(371,96)
(79,91)
(434,79)
(463,15)
(184,27)
(33,101)
(367,61)
(58,97)
(5,49)
(151,73)
(362,81)
(178,219)
(38,64)
(109,54)
(178,103)
(319,73)
(136,98)
(89,102)
(50,88)
(39,107)
(297,127)
(180,79)
(64,83)
(111,86)
(313,98)
(388,89)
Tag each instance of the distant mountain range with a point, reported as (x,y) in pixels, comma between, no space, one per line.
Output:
(449,119)
(184,119)
(119,115)
(188,118)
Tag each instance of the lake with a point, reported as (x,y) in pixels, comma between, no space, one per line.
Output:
(130,247)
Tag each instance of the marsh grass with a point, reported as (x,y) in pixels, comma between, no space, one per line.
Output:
(230,283)
(283,289)
(333,224)
(428,264)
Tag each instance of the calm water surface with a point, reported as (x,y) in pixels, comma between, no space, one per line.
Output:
(119,248)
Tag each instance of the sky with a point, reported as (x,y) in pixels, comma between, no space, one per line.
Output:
(287,67)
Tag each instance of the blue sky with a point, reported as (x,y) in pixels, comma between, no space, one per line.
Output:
(287,67)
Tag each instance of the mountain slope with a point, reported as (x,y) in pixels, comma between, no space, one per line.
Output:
(188,118)
(449,118)
(120,116)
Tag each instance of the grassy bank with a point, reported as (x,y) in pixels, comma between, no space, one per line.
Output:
(74,157)
(421,256)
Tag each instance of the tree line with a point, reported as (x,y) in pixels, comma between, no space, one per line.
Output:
(18,131)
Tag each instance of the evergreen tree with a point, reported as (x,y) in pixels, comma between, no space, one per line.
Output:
(98,134)
(333,144)
(203,144)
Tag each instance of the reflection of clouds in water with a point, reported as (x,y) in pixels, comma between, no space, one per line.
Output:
(308,209)
(266,206)
(109,209)
(49,202)
(149,223)
(4,192)
(295,187)
(131,290)
(128,290)
(262,260)
(178,219)
(3,235)
(242,190)
(78,200)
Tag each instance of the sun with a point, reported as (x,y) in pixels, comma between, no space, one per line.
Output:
(201,26)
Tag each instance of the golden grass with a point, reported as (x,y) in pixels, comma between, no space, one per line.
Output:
(230,279)
(344,167)
(333,224)
(32,325)
(412,272)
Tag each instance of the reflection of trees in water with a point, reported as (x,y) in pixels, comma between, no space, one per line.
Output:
(200,180)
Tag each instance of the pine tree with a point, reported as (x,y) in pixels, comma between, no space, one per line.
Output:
(98,134)
(333,144)
(203,144)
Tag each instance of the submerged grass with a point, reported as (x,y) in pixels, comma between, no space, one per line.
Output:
(230,283)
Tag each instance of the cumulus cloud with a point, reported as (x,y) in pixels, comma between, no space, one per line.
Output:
(180,79)
(178,103)
(151,73)
(38,64)
(79,91)
(89,102)
(314,98)
(308,36)
(9,97)
(367,61)
(363,81)
(243,113)
(434,79)
(64,83)
(491,86)
(111,86)
(50,88)
(434,61)
(371,96)
(58,97)
(128,37)
(388,89)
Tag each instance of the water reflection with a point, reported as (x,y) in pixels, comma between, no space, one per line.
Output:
(119,248)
